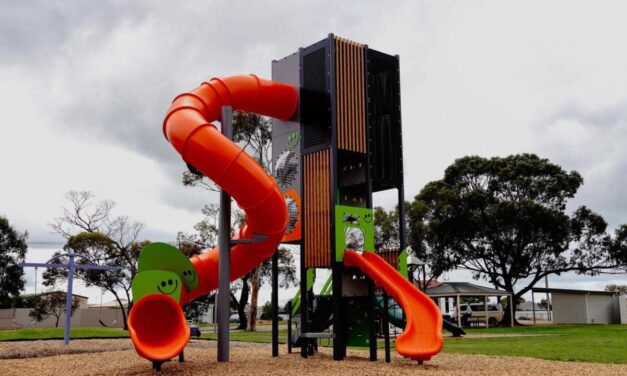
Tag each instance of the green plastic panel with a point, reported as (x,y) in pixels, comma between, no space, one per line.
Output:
(311,278)
(327,288)
(354,225)
(357,321)
(162,256)
(156,282)
(402,264)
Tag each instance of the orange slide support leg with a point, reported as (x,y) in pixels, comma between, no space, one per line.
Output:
(422,337)
(156,323)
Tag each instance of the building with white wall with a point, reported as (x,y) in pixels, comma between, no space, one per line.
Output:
(585,307)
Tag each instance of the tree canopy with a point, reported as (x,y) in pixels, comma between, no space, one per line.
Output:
(92,231)
(13,249)
(505,220)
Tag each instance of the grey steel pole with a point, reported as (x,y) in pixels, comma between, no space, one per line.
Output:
(68,302)
(224,260)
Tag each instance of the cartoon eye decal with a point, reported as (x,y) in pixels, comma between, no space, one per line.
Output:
(170,282)
(162,283)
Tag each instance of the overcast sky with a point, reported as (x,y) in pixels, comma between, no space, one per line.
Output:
(84,87)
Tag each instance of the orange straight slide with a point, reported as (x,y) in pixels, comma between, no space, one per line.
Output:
(422,337)
(158,336)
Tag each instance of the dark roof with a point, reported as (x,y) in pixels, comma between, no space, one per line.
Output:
(463,288)
(569,291)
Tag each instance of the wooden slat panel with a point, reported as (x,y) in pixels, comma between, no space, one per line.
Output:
(317,211)
(361,75)
(350,86)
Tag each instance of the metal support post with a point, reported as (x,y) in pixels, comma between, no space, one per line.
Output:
(68,301)
(372,326)
(289,327)
(275,303)
(386,327)
(339,344)
(304,308)
(224,259)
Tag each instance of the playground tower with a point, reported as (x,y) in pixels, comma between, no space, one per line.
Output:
(343,144)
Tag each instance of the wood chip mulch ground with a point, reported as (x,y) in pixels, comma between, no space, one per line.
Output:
(117,357)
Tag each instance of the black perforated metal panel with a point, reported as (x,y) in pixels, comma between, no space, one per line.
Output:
(315,97)
(384,120)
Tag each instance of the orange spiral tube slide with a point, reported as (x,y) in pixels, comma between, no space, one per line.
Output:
(188,127)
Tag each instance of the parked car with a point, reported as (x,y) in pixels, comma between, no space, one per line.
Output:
(193,329)
(234,318)
(476,313)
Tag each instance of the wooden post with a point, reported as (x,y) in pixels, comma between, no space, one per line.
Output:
(459,314)
(533,307)
(485,307)
(511,311)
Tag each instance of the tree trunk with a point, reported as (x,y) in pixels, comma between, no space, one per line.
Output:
(256,284)
(241,304)
(127,310)
(56,324)
(125,314)
(506,317)
(122,308)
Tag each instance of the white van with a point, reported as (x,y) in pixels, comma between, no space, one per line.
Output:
(475,312)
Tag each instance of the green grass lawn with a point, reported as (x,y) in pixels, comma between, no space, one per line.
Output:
(57,333)
(584,343)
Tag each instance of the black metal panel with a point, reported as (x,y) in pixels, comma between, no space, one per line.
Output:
(384,120)
(353,184)
(315,97)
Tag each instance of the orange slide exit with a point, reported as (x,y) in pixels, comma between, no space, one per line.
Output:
(158,336)
(422,337)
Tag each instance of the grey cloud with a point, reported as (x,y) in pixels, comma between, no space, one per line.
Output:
(610,116)
(607,195)
(30,31)
(597,152)
(120,76)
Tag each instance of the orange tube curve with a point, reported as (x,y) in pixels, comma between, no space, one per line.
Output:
(188,127)
(422,337)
